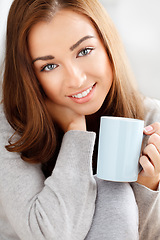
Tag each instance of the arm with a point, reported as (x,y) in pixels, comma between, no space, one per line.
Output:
(60,207)
(148,202)
(147,189)
(150,159)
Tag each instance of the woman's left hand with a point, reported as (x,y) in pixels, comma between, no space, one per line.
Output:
(150,159)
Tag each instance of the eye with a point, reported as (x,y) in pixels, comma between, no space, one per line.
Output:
(84,52)
(49,67)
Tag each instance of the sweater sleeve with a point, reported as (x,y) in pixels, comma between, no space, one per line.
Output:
(59,207)
(148,201)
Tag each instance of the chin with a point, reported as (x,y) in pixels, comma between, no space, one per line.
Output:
(91,110)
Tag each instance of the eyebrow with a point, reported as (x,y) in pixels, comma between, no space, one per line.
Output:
(80,41)
(44,58)
(50,57)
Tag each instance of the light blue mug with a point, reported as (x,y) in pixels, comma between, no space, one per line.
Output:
(119,149)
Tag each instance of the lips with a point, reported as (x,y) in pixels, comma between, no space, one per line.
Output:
(83,93)
(84,96)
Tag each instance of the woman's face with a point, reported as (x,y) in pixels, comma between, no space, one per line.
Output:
(71,62)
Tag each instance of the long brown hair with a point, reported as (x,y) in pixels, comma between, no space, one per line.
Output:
(23,96)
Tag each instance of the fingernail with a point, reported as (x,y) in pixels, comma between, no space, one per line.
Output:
(148,128)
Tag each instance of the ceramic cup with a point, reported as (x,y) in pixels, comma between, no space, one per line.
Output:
(119,149)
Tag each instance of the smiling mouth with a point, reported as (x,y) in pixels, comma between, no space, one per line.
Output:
(83,94)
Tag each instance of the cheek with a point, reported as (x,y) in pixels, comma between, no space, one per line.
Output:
(103,72)
(106,70)
(50,87)
(101,65)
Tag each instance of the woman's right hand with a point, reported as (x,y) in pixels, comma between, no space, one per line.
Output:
(66,118)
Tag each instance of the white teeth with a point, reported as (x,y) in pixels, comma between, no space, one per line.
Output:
(79,95)
(83,94)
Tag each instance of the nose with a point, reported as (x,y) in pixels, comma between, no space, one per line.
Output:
(75,76)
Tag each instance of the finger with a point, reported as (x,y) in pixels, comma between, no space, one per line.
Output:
(148,168)
(148,130)
(153,155)
(153,128)
(155,140)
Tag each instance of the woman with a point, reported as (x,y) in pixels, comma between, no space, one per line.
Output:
(65,67)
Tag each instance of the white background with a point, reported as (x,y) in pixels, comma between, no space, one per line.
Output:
(138,22)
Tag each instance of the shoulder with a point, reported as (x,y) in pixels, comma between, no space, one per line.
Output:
(1,110)
(6,131)
(3,119)
(152,110)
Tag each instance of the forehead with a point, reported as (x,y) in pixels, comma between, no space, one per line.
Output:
(66,26)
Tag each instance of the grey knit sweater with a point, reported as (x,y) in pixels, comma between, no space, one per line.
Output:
(67,205)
